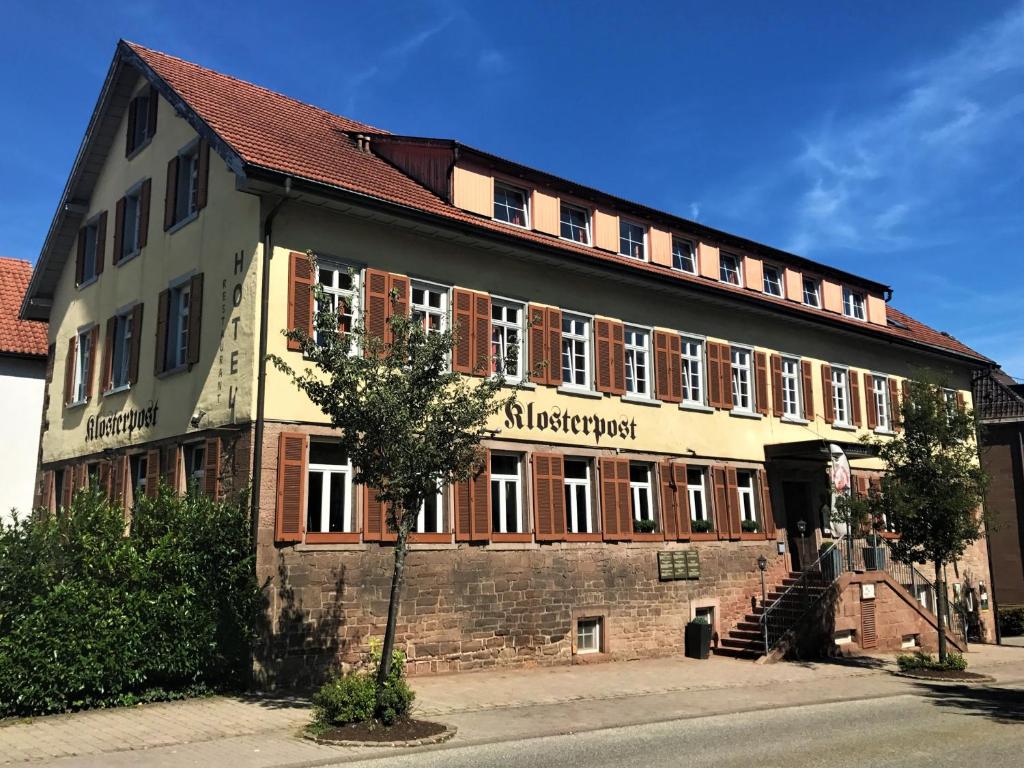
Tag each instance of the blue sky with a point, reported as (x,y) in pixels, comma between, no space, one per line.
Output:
(885,138)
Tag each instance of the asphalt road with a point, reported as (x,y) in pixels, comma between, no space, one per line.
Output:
(935,727)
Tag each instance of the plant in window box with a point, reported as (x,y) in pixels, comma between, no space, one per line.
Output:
(644,526)
(698,638)
(750,526)
(701,526)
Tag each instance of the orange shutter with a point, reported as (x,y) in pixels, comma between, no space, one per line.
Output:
(160,354)
(714,375)
(473,505)
(300,296)
(195,318)
(808,385)
(538,373)
(553,344)
(670,498)
(481,335)
(618,359)
(720,502)
(376,526)
(828,405)
(735,528)
(69,371)
(871,407)
(603,355)
(549,496)
(152,472)
(683,497)
(675,368)
(211,470)
(855,414)
(777,396)
(767,515)
(462,314)
(464,511)
(894,407)
(761,382)
(291,487)
(378,303)
(615,502)
(725,371)
(667,371)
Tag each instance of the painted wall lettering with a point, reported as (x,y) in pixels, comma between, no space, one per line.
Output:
(565,421)
(122,423)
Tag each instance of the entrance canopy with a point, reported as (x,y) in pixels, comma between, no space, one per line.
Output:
(818,450)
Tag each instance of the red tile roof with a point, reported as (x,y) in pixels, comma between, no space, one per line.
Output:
(272,131)
(18,337)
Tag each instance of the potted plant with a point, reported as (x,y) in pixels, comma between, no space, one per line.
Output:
(831,563)
(701,526)
(698,638)
(750,526)
(644,526)
(874,552)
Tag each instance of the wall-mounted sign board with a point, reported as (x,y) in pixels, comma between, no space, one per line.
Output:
(679,565)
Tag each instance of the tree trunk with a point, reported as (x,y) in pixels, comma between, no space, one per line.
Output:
(940,609)
(396,588)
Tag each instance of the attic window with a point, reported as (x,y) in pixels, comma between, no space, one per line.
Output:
(897,324)
(510,205)
(141,120)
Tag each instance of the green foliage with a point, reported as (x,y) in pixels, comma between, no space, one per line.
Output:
(750,526)
(1011,622)
(355,698)
(925,661)
(699,620)
(645,526)
(701,526)
(91,617)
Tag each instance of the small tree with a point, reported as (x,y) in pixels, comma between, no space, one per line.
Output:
(408,423)
(933,487)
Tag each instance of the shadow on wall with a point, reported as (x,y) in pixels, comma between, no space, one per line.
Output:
(813,637)
(1001,705)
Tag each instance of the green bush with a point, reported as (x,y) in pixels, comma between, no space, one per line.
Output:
(354,697)
(701,526)
(925,661)
(645,526)
(92,617)
(1011,622)
(750,526)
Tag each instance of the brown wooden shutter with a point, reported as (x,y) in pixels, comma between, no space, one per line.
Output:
(675,368)
(145,194)
(211,470)
(107,379)
(291,487)
(300,296)
(129,139)
(80,257)
(538,374)
(203,180)
(377,304)
(94,342)
(871,407)
(603,355)
(195,318)
(170,199)
(855,410)
(767,515)
(861,486)
(777,395)
(375,516)
(961,402)
(121,486)
(103,478)
(136,347)
(894,407)
(154,104)
(868,625)
(160,348)
(473,505)
(101,241)
(808,386)
(152,472)
(45,499)
(464,511)
(549,496)
(720,502)
(172,467)
(613,499)
(828,405)
(553,344)
(670,514)
(481,334)
(905,390)
(618,359)
(679,477)
(735,527)
(761,382)
(667,373)
(714,375)
(118,252)
(69,371)
(462,314)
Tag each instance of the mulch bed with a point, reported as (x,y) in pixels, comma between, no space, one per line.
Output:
(403,733)
(946,675)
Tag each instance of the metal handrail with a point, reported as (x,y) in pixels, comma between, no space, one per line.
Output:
(798,598)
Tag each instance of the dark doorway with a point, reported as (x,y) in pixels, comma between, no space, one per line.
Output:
(796,499)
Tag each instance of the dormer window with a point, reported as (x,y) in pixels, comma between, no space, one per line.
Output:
(812,292)
(575,224)
(510,205)
(683,257)
(772,280)
(632,240)
(729,270)
(853,304)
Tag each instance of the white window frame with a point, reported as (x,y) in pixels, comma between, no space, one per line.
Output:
(194,474)
(792,388)
(880,392)
(179,306)
(841,395)
(326,471)
(724,270)
(573,513)
(638,361)
(638,489)
(335,293)
(590,628)
(677,262)
(138,466)
(571,340)
(747,497)
(526,204)
(854,304)
(742,371)
(562,222)
(424,310)
(777,287)
(500,330)
(692,366)
(421,516)
(132,216)
(504,480)
(812,298)
(90,252)
(626,235)
(83,364)
(695,490)
(120,358)
(186,198)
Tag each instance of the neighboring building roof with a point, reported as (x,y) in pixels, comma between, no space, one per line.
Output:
(997,398)
(17,336)
(255,129)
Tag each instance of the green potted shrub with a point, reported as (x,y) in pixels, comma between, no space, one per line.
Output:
(698,638)
(830,561)
(644,526)
(750,526)
(701,526)
(874,552)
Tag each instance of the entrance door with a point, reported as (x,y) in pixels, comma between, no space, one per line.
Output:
(795,495)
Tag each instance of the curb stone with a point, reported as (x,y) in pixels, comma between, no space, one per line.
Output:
(980,679)
(446,735)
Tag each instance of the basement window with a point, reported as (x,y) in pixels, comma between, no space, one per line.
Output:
(843,637)
(588,635)
(910,641)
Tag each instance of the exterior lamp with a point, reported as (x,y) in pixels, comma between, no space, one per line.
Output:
(801,527)
(762,565)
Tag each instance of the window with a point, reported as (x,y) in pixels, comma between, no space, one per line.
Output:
(575,350)
(131,230)
(430,518)
(853,304)
(506,496)
(588,635)
(88,247)
(637,368)
(791,393)
(430,306)
(328,490)
(195,464)
(178,306)
(141,126)
(742,395)
(841,395)
(772,280)
(186,192)
(120,370)
(575,224)
(880,391)
(506,333)
(632,240)
(683,257)
(340,286)
(138,466)
(577,496)
(812,292)
(510,205)
(84,356)
(748,509)
(640,489)
(729,270)
(696,491)
(693,370)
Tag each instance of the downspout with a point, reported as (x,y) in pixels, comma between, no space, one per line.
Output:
(261,379)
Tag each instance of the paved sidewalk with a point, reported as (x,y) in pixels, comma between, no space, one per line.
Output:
(259,732)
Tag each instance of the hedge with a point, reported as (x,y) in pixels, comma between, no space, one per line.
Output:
(93,614)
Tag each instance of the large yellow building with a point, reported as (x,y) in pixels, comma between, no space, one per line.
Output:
(697,384)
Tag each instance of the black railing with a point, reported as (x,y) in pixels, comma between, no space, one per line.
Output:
(798,598)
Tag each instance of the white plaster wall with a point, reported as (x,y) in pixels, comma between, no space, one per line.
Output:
(21,408)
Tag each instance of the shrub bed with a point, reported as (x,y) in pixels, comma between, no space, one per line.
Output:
(94,615)
(351,698)
(918,661)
